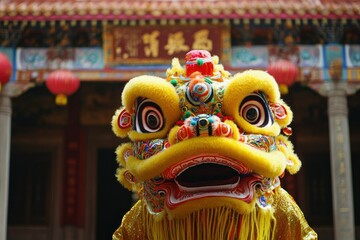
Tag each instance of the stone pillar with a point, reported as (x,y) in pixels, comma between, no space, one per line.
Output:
(10,90)
(342,190)
(5,136)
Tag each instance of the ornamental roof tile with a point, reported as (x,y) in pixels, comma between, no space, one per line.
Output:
(49,10)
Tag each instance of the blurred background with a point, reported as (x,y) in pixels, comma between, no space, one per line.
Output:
(63,66)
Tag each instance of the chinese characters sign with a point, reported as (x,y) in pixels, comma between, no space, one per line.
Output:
(159,44)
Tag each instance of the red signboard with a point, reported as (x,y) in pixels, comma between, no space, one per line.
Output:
(159,44)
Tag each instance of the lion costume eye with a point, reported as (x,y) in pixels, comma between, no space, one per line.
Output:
(255,110)
(149,117)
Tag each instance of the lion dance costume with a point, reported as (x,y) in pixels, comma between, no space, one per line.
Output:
(206,154)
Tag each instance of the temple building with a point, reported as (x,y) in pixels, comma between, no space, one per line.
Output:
(57,160)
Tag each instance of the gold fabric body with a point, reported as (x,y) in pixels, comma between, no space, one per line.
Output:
(288,223)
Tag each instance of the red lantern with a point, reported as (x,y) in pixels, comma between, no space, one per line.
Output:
(5,69)
(62,83)
(284,72)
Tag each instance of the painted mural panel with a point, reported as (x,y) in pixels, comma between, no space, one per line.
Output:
(249,57)
(89,58)
(311,56)
(352,54)
(333,55)
(55,58)
(31,58)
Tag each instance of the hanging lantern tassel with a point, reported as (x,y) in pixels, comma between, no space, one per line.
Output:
(285,74)
(61,99)
(5,70)
(283,89)
(62,83)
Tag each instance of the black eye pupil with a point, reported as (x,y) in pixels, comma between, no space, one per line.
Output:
(251,114)
(152,121)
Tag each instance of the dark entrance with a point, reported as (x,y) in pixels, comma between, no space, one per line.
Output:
(113,201)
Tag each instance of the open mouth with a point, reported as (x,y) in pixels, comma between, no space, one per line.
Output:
(202,177)
(207,177)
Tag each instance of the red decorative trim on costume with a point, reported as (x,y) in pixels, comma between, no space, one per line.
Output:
(185,132)
(175,170)
(223,130)
(287,131)
(129,177)
(124,119)
(179,123)
(278,110)
(168,190)
(227,118)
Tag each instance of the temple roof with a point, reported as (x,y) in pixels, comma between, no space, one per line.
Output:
(51,10)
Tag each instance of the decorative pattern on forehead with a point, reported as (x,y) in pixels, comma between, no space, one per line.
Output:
(199,90)
(209,102)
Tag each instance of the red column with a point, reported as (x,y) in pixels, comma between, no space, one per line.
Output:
(73,170)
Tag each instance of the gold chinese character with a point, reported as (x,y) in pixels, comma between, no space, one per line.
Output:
(201,40)
(176,43)
(151,44)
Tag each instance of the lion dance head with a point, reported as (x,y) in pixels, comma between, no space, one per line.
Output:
(206,155)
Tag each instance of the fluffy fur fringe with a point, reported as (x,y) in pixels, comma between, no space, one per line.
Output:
(216,223)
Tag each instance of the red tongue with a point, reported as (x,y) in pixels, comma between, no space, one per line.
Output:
(207,174)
